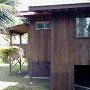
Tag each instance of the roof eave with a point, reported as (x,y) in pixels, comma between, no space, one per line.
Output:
(63,6)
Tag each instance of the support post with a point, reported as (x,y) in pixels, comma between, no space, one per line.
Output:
(31,71)
(20,66)
(10,67)
(20,38)
(10,38)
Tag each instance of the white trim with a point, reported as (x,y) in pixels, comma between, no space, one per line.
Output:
(43,25)
(37,77)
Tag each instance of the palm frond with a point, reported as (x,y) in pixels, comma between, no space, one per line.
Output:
(13,3)
(7,14)
(3,1)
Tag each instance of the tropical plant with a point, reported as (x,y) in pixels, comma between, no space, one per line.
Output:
(11,52)
(8,14)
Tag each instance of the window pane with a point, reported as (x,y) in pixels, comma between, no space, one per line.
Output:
(83,27)
(39,25)
(25,38)
(43,25)
(16,39)
(47,25)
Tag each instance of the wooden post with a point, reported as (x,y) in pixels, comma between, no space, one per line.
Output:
(20,38)
(31,70)
(10,66)
(10,38)
(20,65)
(20,57)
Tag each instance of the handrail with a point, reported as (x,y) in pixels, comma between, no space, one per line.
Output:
(87,88)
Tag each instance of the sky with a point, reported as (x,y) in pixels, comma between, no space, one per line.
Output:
(25,3)
(3,42)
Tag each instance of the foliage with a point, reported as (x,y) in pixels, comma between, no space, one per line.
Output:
(8,14)
(83,27)
(3,1)
(6,52)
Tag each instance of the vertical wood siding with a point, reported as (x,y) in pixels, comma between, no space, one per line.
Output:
(60,46)
(63,52)
(67,51)
(39,40)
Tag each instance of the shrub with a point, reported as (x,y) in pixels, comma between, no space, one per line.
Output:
(5,53)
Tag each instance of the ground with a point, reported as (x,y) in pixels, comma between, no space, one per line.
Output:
(18,82)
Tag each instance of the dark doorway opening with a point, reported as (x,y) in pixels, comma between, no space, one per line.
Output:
(82,77)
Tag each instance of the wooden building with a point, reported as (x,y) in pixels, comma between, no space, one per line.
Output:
(16,39)
(59,43)
(59,37)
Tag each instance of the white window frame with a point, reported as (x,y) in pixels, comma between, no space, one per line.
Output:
(83,35)
(44,22)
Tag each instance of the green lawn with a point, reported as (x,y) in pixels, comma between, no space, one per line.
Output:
(17,82)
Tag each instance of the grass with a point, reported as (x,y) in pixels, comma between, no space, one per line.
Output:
(17,82)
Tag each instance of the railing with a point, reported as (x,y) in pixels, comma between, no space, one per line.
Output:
(81,87)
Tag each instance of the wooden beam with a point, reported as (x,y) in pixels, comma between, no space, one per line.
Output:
(16,32)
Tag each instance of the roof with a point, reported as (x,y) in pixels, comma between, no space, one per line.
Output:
(55,2)
(20,29)
(24,4)
(63,6)
(25,13)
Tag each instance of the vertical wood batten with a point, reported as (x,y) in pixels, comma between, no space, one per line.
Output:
(72,33)
(54,85)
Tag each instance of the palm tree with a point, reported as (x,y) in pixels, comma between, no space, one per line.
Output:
(8,13)
(8,17)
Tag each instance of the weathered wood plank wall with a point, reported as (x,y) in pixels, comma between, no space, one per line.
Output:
(60,46)
(67,51)
(40,43)
(63,55)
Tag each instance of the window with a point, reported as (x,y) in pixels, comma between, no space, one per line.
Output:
(24,38)
(16,39)
(83,27)
(42,25)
